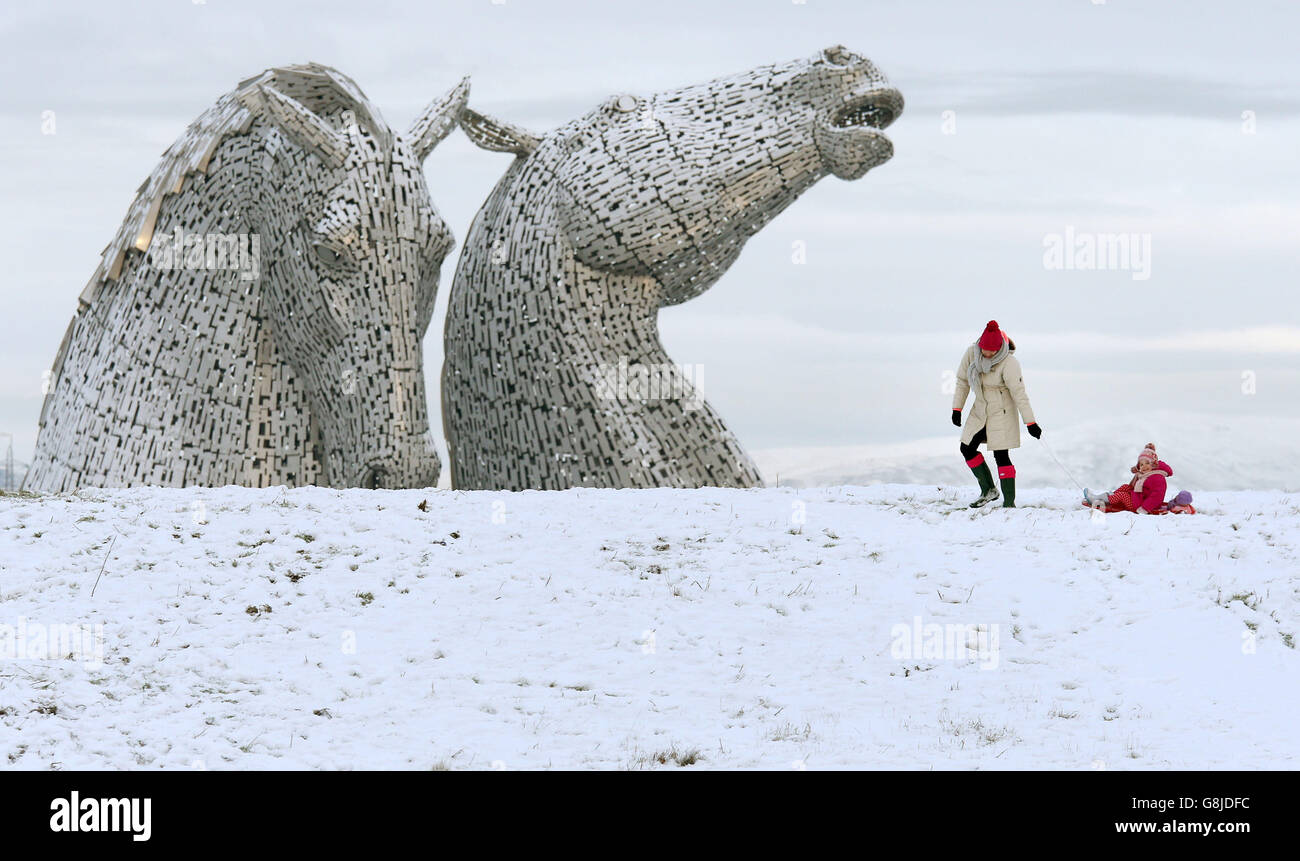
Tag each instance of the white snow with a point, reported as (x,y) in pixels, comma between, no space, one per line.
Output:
(612,629)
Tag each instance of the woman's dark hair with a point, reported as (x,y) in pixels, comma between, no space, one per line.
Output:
(1011,345)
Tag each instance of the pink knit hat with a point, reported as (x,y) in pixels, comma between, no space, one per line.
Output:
(1148,453)
(992,337)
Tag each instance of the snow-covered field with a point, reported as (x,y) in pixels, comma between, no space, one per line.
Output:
(774,628)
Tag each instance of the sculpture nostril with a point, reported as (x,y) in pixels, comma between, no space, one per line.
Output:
(372,479)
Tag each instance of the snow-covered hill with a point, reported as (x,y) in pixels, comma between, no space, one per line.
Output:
(775,628)
(1207,452)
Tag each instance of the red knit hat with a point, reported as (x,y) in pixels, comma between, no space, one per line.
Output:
(1148,453)
(992,338)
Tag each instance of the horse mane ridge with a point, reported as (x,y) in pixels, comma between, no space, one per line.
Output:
(320,88)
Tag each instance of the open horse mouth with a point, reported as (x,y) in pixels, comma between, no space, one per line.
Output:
(849,137)
(876,109)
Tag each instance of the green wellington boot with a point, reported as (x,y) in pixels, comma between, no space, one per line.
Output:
(1008,492)
(988,491)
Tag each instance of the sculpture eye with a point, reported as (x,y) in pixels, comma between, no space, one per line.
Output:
(327,255)
(625,104)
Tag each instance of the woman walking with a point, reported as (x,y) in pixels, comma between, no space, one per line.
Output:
(990,370)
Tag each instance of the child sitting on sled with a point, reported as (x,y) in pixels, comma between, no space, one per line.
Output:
(1145,494)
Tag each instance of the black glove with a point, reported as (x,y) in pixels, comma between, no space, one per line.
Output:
(956,417)
(1034,430)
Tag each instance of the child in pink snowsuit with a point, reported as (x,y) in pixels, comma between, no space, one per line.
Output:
(1145,494)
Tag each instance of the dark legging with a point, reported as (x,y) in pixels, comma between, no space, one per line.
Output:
(968,450)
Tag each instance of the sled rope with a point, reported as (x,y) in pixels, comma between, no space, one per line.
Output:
(1061,465)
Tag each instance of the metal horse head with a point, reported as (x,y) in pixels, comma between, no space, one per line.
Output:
(258,319)
(641,203)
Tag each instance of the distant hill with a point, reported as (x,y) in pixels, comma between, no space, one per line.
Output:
(1207,452)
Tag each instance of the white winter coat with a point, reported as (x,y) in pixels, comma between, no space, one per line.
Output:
(1002,405)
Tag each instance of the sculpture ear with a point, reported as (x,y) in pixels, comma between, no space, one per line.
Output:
(493,134)
(304,127)
(437,120)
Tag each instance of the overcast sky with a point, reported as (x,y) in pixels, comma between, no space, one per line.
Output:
(1174,120)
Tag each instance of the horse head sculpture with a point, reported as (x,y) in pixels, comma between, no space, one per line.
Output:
(552,344)
(258,317)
